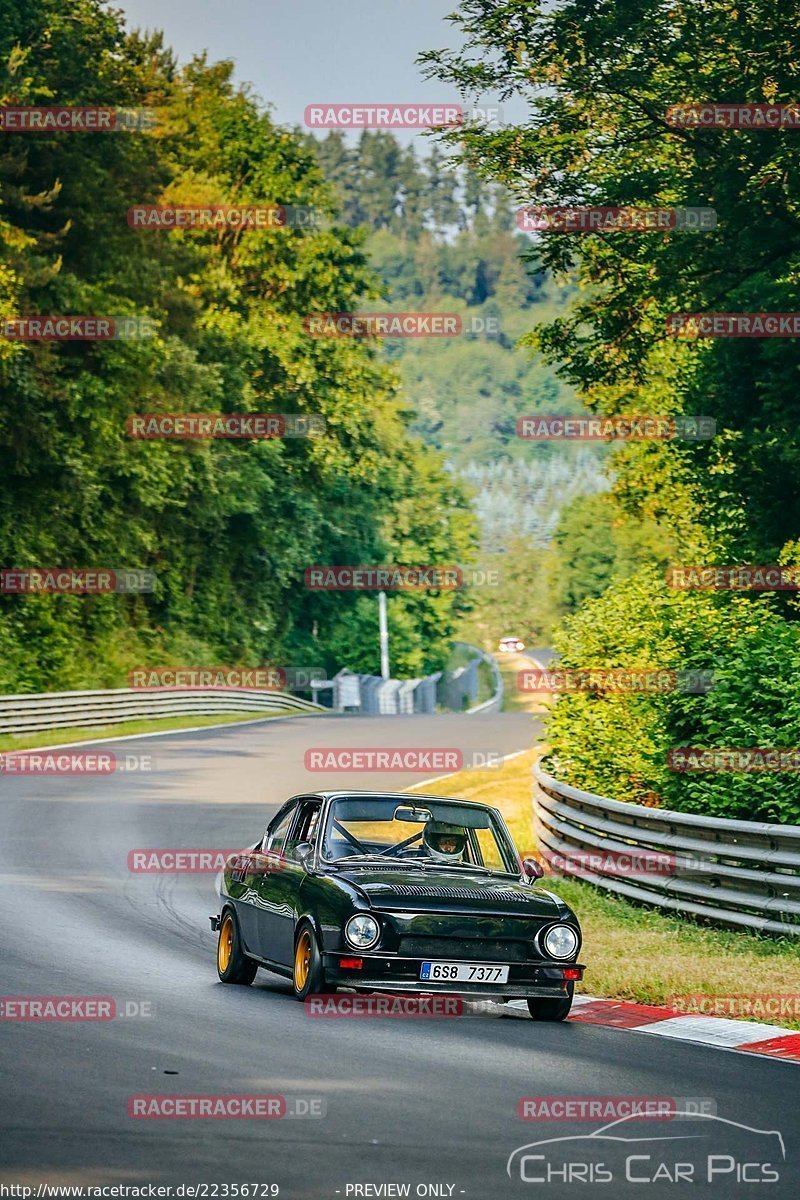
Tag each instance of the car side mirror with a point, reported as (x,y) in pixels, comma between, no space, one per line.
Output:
(532,869)
(304,852)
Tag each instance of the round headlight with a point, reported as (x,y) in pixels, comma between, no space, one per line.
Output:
(362,931)
(561,941)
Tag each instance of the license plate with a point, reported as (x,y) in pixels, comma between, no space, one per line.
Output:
(461,972)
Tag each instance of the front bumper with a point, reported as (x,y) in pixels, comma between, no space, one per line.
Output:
(381,972)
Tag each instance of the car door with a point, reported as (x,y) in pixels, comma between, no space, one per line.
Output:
(256,895)
(285,883)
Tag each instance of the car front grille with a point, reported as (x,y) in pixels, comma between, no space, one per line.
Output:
(459,893)
(472,949)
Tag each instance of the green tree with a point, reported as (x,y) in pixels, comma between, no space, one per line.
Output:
(598,82)
(229,527)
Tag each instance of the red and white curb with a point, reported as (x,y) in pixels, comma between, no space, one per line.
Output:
(722,1032)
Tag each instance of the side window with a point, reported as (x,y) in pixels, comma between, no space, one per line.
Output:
(277,830)
(305,828)
(488,851)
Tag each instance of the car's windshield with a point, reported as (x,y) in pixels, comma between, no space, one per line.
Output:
(422,832)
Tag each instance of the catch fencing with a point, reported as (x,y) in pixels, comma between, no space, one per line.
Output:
(456,690)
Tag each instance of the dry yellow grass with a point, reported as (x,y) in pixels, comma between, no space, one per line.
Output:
(513,700)
(633,953)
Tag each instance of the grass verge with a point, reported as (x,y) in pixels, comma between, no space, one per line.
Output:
(631,952)
(514,700)
(58,737)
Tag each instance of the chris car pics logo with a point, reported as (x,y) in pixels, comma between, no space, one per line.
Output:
(699,1148)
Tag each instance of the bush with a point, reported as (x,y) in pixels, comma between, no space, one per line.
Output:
(617,744)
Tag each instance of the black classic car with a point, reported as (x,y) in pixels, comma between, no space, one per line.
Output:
(396,893)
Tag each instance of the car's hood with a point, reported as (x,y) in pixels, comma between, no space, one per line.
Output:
(437,889)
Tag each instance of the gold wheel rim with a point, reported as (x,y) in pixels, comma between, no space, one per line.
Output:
(302,960)
(225,947)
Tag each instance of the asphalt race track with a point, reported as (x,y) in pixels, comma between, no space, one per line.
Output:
(407,1102)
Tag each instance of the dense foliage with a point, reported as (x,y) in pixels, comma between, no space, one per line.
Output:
(442,240)
(617,744)
(598,80)
(228,526)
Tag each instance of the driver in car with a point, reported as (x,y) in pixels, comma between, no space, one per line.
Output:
(444,843)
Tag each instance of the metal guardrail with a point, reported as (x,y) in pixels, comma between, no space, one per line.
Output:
(29,712)
(740,874)
(495,701)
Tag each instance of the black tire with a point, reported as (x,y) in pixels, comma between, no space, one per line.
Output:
(308,974)
(233,965)
(551,1010)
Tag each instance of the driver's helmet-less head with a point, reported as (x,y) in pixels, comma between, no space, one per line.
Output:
(443,842)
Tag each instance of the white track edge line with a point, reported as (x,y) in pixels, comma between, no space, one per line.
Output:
(451,774)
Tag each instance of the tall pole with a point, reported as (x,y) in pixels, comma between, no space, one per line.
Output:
(384,633)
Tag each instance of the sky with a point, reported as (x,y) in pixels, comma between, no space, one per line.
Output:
(301,52)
